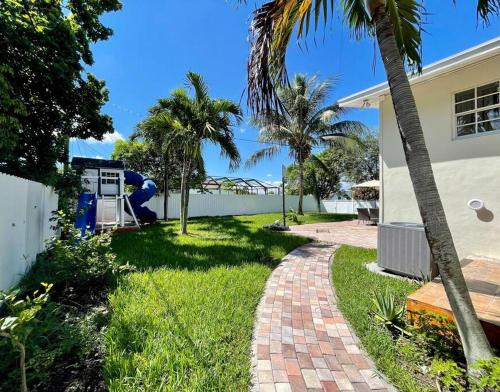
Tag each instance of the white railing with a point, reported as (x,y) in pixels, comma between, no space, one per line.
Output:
(25,211)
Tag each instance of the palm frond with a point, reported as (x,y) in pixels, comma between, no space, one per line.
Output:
(345,128)
(320,92)
(343,140)
(264,153)
(227,107)
(406,19)
(328,114)
(197,82)
(358,18)
(266,66)
(316,161)
(486,8)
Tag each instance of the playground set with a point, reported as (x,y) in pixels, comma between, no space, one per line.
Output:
(104,204)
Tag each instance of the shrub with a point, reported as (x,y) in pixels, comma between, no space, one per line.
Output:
(68,334)
(18,324)
(73,261)
(437,334)
(448,374)
(293,216)
(489,375)
(388,311)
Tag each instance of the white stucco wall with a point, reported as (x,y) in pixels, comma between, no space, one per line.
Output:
(464,168)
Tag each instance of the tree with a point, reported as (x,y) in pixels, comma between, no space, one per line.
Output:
(396,25)
(361,164)
(46,98)
(322,176)
(301,123)
(144,155)
(185,123)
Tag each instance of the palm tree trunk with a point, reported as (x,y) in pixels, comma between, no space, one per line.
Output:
(183,198)
(165,187)
(186,176)
(438,234)
(186,197)
(301,186)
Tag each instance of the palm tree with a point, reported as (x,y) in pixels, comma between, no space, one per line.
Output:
(396,25)
(187,122)
(155,130)
(301,124)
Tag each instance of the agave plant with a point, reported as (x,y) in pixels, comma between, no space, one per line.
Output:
(387,311)
(293,215)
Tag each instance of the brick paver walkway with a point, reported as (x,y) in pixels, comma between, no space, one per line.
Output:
(347,232)
(301,340)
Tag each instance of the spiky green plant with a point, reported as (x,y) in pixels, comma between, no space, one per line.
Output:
(388,311)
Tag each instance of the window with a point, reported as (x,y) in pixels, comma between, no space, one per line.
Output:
(109,177)
(477,110)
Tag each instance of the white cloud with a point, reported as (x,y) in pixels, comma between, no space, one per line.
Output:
(109,138)
(269,175)
(242,130)
(99,157)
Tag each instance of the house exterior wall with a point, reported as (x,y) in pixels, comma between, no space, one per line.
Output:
(464,168)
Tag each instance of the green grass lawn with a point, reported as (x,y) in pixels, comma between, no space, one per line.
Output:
(184,322)
(355,286)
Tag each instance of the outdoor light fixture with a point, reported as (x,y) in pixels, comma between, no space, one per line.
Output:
(475,204)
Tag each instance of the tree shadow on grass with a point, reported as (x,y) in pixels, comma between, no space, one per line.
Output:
(211,242)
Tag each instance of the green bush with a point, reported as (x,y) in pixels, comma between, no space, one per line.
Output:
(293,216)
(448,374)
(489,375)
(65,348)
(73,261)
(18,324)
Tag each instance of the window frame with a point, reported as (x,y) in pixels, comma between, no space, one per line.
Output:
(474,111)
(110,177)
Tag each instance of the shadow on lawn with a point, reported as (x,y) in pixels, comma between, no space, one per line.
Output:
(210,242)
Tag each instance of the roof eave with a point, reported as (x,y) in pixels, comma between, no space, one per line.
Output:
(371,97)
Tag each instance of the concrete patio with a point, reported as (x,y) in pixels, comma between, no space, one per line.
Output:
(347,232)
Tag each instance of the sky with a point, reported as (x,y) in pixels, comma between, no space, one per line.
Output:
(156,42)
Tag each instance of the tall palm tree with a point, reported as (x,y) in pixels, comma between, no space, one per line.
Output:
(155,130)
(396,25)
(187,123)
(301,124)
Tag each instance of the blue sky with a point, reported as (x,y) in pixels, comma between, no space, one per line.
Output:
(156,42)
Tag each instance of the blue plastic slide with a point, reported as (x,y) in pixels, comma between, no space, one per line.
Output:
(146,190)
(86,213)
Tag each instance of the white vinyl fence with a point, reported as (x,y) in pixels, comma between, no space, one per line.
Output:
(347,206)
(25,210)
(220,205)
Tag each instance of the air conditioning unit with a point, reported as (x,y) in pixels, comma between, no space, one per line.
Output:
(403,249)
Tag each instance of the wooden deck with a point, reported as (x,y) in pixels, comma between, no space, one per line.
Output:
(483,280)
